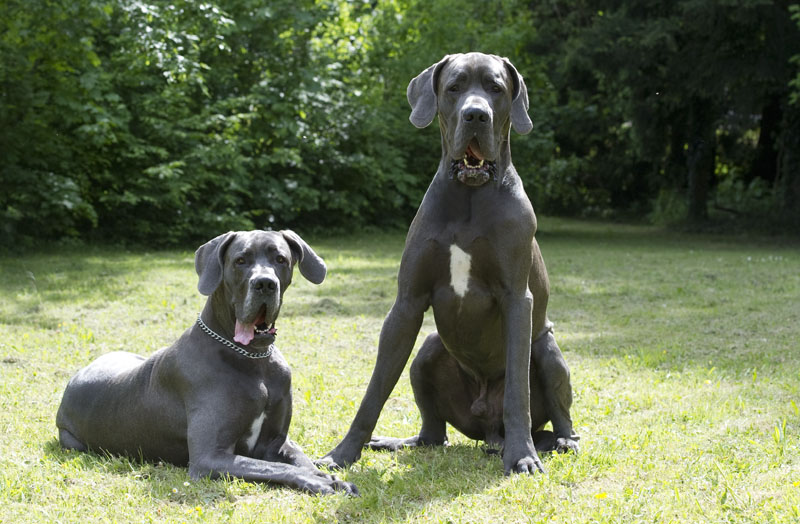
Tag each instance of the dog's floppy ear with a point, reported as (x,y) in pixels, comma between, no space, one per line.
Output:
(312,267)
(208,262)
(520,120)
(421,94)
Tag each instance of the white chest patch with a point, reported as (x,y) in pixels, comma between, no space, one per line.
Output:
(255,431)
(460,262)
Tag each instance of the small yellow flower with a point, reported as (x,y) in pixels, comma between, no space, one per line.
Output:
(601,495)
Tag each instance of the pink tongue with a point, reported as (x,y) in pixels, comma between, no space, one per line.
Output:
(244,333)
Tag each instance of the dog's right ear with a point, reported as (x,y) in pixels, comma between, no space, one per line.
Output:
(208,262)
(421,94)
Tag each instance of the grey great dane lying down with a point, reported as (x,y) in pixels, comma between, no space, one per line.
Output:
(219,399)
(493,370)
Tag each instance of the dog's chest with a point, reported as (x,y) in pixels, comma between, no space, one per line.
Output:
(250,438)
(463,287)
(460,267)
(255,431)
(465,270)
(254,425)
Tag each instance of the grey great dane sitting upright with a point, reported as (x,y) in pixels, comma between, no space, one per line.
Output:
(222,408)
(493,370)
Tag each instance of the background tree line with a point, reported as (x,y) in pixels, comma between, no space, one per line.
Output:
(170,121)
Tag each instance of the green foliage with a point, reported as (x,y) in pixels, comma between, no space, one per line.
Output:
(45,99)
(794,9)
(166,122)
(654,97)
(669,208)
(173,121)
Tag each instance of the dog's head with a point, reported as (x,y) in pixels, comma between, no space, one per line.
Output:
(478,99)
(247,272)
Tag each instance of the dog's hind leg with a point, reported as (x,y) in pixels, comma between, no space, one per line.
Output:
(555,391)
(441,394)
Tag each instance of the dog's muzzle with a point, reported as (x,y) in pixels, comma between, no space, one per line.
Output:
(472,171)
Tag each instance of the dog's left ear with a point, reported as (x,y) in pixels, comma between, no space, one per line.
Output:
(312,267)
(208,262)
(520,120)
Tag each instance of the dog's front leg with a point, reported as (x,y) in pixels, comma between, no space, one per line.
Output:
(398,334)
(222,463)
(211,441)
(292,453)
(274,444)
(519,453)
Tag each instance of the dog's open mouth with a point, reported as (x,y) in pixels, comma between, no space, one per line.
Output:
(472,169)
(247,331)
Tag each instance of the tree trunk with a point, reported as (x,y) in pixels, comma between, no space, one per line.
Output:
(765,163)
(700,158)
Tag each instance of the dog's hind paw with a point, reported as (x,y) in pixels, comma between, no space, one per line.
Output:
(567,445)
(391,443)
(329,463)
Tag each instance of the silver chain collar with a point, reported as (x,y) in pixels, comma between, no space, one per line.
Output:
(225,342)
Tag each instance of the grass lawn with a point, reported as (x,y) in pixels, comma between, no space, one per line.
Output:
(685,358)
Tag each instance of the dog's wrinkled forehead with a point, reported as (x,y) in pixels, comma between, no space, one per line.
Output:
(258,242)
(252,240)
(473,68)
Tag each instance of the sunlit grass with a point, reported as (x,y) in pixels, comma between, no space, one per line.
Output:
(684,353)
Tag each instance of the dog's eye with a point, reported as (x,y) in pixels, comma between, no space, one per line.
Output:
(239,261)
(453,88)
(496,88)
(280,259)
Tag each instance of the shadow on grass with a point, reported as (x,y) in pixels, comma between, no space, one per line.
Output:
(419,478)
(415,479)
(162,481)
(621,233)
(75,278)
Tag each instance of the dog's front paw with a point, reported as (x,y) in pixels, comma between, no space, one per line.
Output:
(521,459)
(526,465)
(348,487)
(327,485)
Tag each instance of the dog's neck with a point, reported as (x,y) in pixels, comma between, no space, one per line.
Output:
(210,324)
(216,314)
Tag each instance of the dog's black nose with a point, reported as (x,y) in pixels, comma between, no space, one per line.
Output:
(264,284)
(475,113)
